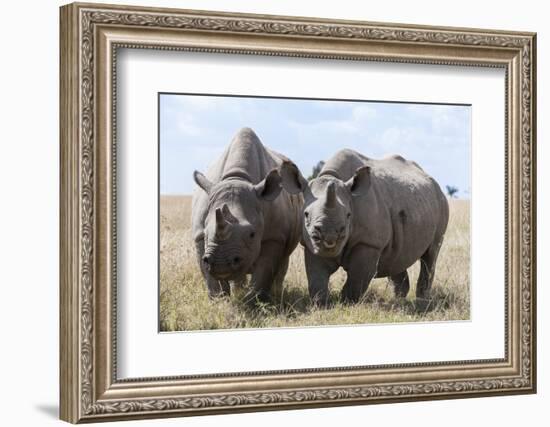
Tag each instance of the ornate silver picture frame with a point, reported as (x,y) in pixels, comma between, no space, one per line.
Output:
(91,36)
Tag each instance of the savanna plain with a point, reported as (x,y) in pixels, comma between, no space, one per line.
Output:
(184,302)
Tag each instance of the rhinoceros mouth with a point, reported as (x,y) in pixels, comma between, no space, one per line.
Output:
(325,251)
(330,245)
(222,276)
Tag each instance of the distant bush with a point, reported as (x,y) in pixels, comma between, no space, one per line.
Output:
(451,191)
(316,169)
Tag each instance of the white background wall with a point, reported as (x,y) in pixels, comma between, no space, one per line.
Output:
(29,170)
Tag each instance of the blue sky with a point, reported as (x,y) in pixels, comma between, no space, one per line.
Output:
(194,131)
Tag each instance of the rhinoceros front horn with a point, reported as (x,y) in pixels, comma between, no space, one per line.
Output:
(227,215)
(330,201)
(222,226)
(224,219)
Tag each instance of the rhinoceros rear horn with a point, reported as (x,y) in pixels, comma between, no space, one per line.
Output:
(330,200)
(227,215)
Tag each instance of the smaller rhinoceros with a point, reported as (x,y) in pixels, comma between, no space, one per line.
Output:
(242,222)
(374,218)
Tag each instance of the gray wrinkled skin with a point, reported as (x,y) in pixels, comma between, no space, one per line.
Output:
(374,218)
(242,222)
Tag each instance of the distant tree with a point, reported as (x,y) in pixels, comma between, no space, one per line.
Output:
(451,191)
(316,169)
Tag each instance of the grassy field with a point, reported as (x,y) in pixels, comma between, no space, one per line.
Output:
(184,303)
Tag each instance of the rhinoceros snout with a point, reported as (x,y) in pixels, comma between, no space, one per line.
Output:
(224,268)
(326,242)
(327,239)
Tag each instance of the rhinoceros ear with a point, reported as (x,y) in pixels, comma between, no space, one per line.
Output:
(202,181)
(292,180)
(270,187)
(359,183)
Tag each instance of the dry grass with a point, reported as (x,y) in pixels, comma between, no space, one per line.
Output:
(184,303)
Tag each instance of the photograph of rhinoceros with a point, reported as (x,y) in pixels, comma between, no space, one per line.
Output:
(287,212)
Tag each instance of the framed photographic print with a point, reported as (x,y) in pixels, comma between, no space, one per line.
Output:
(267,212)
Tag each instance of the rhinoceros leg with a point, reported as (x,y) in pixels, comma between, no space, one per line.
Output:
(318,272)
(277,288)
(265,271)
(400,284)
(216,288)
(427,271)
(361,266)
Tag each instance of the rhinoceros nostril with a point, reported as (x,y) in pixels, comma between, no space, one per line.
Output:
(206,259)
(317,229)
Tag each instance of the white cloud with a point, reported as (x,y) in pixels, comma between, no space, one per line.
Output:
(363,112)
(428,134)
(400,140)
(357,122)
(186,125)
(324,126)
(444,119)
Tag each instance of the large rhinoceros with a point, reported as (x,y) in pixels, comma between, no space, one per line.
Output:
(375,218)
(242,222)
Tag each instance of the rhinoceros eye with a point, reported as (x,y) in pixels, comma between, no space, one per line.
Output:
(252,234)
(306,214)
(348,215)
